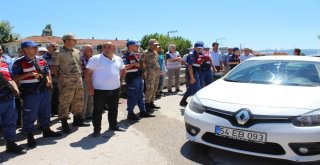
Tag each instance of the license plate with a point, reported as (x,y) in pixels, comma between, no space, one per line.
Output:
(258,137)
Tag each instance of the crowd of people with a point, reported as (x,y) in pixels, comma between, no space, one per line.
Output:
(49,81)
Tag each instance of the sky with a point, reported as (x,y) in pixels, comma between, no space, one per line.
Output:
(257,24)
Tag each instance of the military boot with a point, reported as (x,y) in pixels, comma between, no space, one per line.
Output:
(79,122)
(183,102)
(153,106)
(14,148)
(65,126)
(148,108)
(49,133)
(31,141)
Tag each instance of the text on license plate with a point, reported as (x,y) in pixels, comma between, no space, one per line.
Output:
(259,137)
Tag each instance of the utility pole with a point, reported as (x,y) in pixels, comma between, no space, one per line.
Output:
(319,39)
(171,31)
(220,39)
(242,45)
(220,43)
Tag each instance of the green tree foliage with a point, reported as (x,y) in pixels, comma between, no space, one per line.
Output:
(181,43)
(6,34)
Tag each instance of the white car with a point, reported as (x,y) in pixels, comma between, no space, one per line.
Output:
(266,106)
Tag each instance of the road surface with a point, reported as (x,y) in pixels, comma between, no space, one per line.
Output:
(159,140)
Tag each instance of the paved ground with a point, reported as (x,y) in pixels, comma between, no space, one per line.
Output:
(159,140)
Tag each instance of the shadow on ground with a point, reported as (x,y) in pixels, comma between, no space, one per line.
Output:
(203,154)
(89,142)
(197,153)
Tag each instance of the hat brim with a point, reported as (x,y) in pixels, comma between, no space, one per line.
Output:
(134,44)
(33,45)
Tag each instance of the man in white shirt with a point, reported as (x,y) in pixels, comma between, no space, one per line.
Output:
(216,57)
(246,54)
(104,75)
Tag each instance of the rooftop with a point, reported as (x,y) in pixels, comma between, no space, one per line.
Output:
(94,42)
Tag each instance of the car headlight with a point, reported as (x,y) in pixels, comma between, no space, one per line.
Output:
(196,106)
(309,119)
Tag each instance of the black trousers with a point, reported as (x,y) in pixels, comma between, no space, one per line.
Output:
(55,98)
(102,97)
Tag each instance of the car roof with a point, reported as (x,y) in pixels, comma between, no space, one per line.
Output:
(286,57)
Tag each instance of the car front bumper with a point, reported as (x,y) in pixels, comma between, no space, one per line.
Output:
(201,129)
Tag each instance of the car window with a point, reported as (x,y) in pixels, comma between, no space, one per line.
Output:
(297,73)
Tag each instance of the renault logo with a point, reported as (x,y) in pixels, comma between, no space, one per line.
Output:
(243,116)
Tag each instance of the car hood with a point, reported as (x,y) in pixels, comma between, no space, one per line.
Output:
(263,95)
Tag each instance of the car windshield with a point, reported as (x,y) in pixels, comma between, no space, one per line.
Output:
(296,73)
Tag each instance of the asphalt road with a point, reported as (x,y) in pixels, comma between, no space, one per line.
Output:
(159,140)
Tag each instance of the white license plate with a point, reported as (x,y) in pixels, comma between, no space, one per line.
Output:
(258,137)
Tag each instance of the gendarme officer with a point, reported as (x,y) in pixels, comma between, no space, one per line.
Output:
(134,81)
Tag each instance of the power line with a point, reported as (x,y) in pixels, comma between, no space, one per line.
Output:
(171,31)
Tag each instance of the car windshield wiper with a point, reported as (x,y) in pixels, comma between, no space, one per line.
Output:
(261,82)
(232,80)
(300,84)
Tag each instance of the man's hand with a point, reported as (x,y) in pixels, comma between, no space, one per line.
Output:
(36,75)
(145,74)
(192,81)
(215,70)
(49,84)
(90,91)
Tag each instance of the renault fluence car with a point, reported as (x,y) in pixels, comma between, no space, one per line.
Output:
(267,106)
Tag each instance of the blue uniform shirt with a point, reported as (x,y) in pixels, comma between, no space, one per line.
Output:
(24,65)
(8,60)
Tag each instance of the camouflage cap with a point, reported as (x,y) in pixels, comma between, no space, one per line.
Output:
(153,41)
(69,36)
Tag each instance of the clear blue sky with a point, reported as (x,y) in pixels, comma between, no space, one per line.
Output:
(258,24)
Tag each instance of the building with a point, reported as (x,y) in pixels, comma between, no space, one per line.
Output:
(12,48)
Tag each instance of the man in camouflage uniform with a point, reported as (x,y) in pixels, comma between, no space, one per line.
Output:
(151,68)
(68,65)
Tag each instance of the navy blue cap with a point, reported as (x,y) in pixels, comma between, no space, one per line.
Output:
(29,43)
(235,49)
(133,42)
(199,44)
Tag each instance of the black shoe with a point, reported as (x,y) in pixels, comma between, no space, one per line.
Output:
(158,96)
(148,109)
(170,91)
(117,128)
(49,133)
(183,103)
(54,114)
(88,118)
(14,148)
(96,134)
(132,116)
(145,114)
(153,106)
(106,108)
(65,126)
(31,141)
(178,90)
(78,122)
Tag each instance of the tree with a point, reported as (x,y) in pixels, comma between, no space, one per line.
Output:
(6,34)
(181,43)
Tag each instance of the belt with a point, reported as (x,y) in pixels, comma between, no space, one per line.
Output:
(205,69)
(5,98)
(27,91)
